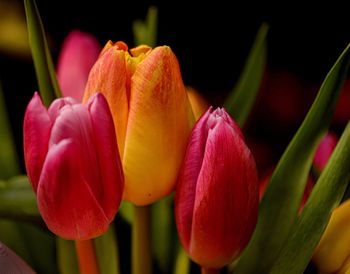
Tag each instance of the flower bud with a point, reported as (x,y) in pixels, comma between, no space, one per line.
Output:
(151,112)
(78,54)
(216,200)
(73,164)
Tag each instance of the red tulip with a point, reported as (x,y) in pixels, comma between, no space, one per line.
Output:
(73,164)
(79,52)
(216,202)
(324,150)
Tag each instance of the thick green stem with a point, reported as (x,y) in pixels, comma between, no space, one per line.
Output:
(141,241)
(87,257)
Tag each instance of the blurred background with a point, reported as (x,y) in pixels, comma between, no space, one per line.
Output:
(211,40)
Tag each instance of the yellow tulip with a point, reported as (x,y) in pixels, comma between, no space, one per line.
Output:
(151,112)
(332,254)
(198,103)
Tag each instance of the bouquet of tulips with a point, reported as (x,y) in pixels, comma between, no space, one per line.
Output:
(130,171)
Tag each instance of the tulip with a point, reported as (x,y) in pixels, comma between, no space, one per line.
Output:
(152,115)
(216,199)
(324,150)
(332,254)
(73,165)
(78,54)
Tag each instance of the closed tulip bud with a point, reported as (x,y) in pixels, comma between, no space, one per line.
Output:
(332,254)
(216,199)
(152,115)
(78,54)
(73,164)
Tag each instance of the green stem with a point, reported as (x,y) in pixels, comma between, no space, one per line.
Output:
(141,241)
(182,264)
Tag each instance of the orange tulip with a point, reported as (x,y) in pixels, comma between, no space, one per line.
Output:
(332,254)
(151,112)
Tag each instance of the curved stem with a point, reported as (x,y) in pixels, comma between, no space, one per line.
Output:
(141,241)
(87,257)
(205,270)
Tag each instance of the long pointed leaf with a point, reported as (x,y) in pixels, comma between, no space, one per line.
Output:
(279,206)
(242,98)
(9,165)
(44,68)
(325,196)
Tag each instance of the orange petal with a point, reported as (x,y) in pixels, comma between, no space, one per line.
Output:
(333,248)
(160,121)
(109,76)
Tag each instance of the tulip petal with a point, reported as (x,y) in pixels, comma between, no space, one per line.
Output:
(36,128)
(66,201)
(226,182)
(108,155)
(79,52)
(159,123)
(109,76)
(58,104)
(74,123)
(186,187)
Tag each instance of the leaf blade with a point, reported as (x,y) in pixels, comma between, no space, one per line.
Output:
(325,196)
(241,100)
(290,176)
(44,68)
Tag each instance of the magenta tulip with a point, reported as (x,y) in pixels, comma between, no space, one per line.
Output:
(78,54)
(216,200)
(324,150)
(73,164)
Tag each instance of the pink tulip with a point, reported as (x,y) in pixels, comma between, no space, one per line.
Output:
(216,202)
(324,150)
(79,52)
(73,164)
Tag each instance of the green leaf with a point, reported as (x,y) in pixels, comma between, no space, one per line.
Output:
(44,68)
(279,206)
(66,256)
(107,252)
(325,196)
(9,165)
(241,99)
(17,200)
(145,32)
(164,233)
(33,244)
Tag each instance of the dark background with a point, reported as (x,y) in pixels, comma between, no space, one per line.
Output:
(211,40)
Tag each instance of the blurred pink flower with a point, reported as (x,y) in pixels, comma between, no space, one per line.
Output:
(78,54)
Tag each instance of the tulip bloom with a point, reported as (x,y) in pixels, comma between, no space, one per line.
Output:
(152,115)
(78,54)
(332,254)
(73,164)
(216,199)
